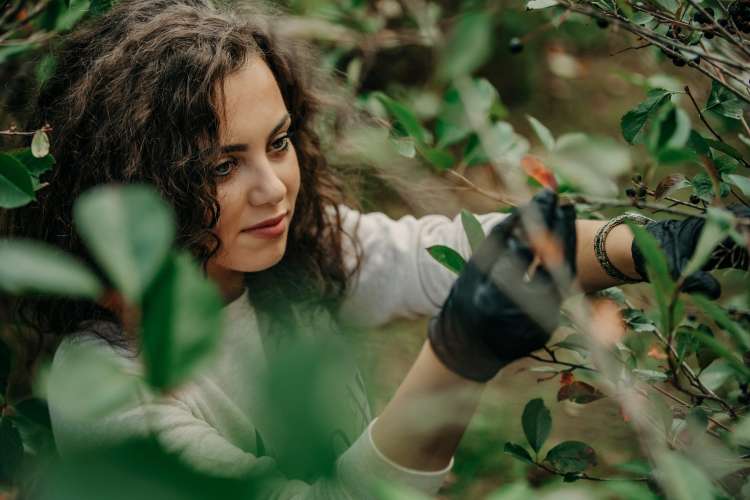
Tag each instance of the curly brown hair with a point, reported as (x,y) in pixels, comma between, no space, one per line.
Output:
(135,98)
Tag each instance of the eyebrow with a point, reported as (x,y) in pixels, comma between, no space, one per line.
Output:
(234,148)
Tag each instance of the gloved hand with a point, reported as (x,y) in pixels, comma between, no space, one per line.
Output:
(678,239)
(494,316)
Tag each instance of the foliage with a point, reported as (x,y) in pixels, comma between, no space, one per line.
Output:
(684,158)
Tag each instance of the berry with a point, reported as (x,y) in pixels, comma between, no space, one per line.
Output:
(637,178)
(708,35)
(515,45)
(602,23)
(630,192)
(642,192)
(694,199)
(678,61)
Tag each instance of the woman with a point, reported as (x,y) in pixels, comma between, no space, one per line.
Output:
(217,114)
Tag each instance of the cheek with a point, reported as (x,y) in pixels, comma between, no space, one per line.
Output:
(292,176)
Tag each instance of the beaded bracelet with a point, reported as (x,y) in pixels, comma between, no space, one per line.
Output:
(600,241)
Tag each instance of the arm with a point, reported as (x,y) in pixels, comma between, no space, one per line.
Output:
(591,276)
(423,423)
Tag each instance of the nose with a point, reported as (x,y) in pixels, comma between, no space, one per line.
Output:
(266,187)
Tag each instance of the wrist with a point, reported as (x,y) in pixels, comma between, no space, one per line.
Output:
(618,246)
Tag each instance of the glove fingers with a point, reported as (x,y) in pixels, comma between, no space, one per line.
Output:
(703,283)
(565,232)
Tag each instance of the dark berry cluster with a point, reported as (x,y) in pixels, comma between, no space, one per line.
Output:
(682,36)
(739,12)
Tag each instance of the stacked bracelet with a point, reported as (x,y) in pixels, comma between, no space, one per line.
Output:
(600,241)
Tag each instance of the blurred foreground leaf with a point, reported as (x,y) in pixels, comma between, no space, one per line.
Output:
(181,322)
(129,230)
(30,266)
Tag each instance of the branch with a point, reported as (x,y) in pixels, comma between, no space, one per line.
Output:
(700,114)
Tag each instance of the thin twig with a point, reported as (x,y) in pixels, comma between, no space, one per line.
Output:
(489,194)
(563,363)
(700,114)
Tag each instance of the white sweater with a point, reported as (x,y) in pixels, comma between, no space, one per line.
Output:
(214,421)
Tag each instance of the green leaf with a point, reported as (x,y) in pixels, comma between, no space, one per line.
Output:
(657,269)
(590,163)
(724,102)
(453,124)
(741,182)
(129,230)
(518,452)
(31,266)
(721,350)
(548,140)
(670,131)
(716,313)
(698,144)
(650,375)
(635,119)
(540,4)
(76,10)
(404,116)
(725,148)
(16,185)
(468,47)
(439,158)
(473,229)
(717,374)
(537,422)
(40,144)
(181,322)
(571,457)
(703,186)
(99,7)
(574,342)
(35,166)
(715,230)
(447,257)
(676,156)
(45,68)
(11,451)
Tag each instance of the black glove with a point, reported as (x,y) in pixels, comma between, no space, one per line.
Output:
(492,316)
(678,239)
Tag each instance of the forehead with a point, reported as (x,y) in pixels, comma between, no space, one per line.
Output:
(253,103)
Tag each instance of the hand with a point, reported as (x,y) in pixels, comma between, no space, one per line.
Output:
(678,239)
(493,315)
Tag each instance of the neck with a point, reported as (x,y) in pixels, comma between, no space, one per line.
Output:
(231,284)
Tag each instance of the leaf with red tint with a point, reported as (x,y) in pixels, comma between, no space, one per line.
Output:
(579,392)
(625,416)
(566,378)
(656,353)
(670,184)
(538,171)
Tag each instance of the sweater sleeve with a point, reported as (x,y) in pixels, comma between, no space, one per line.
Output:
(201,445)
(397,277)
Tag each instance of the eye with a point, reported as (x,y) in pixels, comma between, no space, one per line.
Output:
(225,168)
(282,143)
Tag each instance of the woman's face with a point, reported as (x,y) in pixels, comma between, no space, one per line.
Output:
(257,175)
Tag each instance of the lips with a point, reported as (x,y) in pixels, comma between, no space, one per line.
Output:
(267,223)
